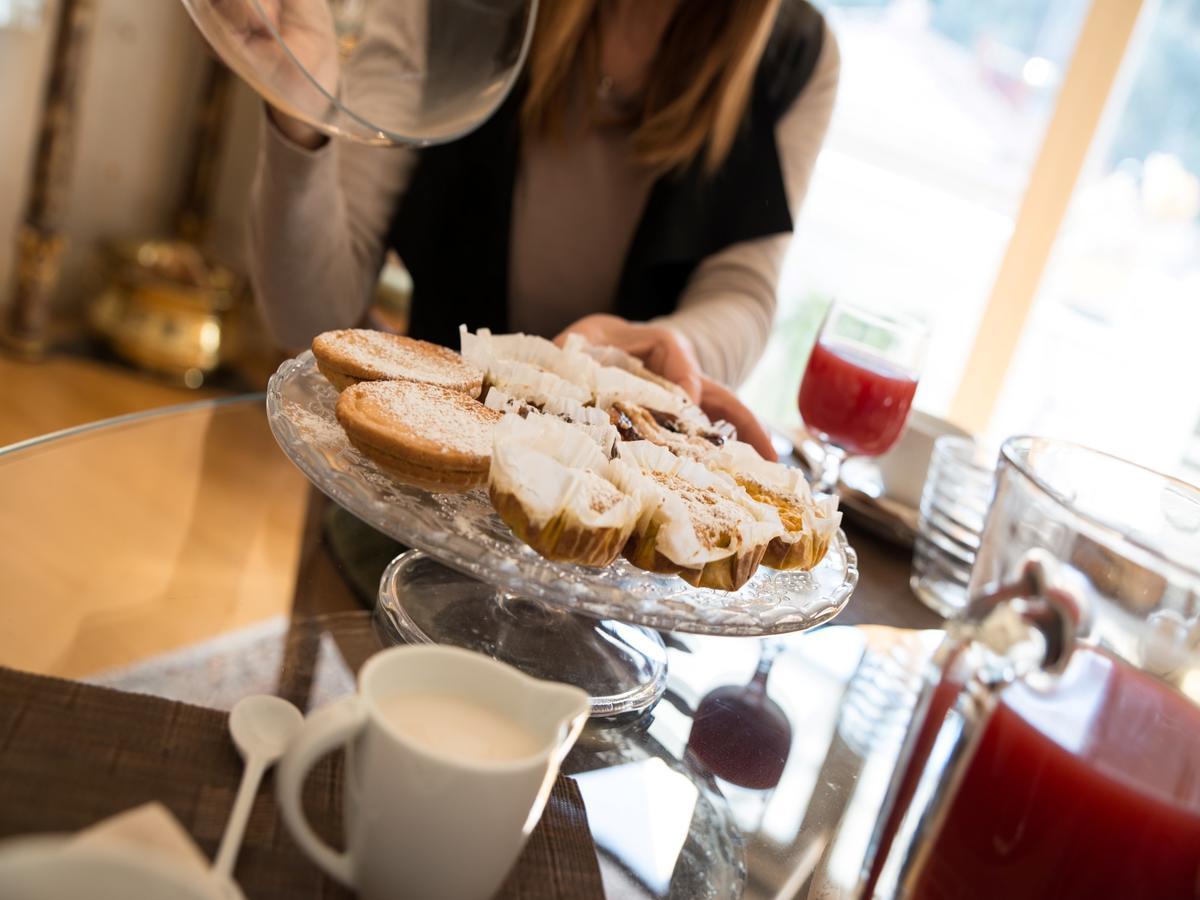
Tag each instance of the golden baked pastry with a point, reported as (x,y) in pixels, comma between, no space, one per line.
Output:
(809,523)
(552,485)
(423,434)
(696,523)
(362,354)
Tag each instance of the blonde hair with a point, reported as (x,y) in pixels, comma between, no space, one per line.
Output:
(697,89)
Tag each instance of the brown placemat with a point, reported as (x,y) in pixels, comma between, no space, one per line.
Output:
(72,754)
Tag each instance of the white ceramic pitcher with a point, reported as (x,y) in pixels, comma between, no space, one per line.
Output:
(424,824)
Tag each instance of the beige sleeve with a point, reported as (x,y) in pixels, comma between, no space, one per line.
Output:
(318,229)
(728,306)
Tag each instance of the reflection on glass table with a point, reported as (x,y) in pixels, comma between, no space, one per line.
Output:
(376,71)
(741,734)
(179,553)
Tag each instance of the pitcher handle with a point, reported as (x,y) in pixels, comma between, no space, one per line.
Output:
(323,732)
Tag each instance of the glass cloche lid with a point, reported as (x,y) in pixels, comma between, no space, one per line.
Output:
(377,71)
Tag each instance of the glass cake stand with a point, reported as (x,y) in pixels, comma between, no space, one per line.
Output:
(471,582)
(409,72)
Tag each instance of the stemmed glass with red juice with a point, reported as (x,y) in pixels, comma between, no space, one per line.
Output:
(859,383)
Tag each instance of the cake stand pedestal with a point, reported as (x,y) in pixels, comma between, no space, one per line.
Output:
(622,667)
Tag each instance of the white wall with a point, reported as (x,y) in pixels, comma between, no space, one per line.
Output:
(141,78)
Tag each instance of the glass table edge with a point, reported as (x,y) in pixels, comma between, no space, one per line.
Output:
(190,406)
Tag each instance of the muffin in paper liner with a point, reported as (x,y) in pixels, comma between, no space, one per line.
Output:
(683,438)
(591,420)
(696,523)
(809,522)
(532,384)
(554,487)
(485,350)
(612,385)
(533,369)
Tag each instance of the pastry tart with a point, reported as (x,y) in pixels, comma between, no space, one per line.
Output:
(423,434)
(361,354)
(554,487)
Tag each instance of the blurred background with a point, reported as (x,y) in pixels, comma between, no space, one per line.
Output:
(1021,174)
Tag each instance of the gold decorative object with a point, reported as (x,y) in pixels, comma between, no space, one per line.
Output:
(168,309)
(23,329)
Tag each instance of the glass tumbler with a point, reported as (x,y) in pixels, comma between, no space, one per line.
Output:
(1055,750)
(954,503)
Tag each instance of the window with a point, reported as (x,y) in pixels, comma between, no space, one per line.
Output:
(1110,355)
(940,114)
(20,13)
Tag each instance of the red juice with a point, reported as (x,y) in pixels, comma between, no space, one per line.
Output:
(858,401)
(940,701)
(1089,790)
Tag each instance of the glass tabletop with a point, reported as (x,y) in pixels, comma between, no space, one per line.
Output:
(179,553)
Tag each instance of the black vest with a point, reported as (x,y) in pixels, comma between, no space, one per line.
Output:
(452,227)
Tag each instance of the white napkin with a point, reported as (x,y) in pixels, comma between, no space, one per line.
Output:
(153,832)
(151,826)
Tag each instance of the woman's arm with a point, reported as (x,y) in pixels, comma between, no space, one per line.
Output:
(318,223)
(728,307)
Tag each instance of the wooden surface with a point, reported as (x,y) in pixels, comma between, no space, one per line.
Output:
(883,596)
(65,391)
(124,543)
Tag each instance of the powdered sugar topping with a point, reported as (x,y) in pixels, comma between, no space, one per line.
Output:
(444,420)
(376,354)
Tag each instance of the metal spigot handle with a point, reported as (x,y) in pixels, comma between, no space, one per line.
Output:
(1043,602)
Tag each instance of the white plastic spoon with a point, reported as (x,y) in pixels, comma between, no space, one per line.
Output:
(261,727)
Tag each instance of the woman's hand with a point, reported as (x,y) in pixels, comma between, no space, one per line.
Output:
(668,353)
(306,26)
(663,350)
(719,402)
